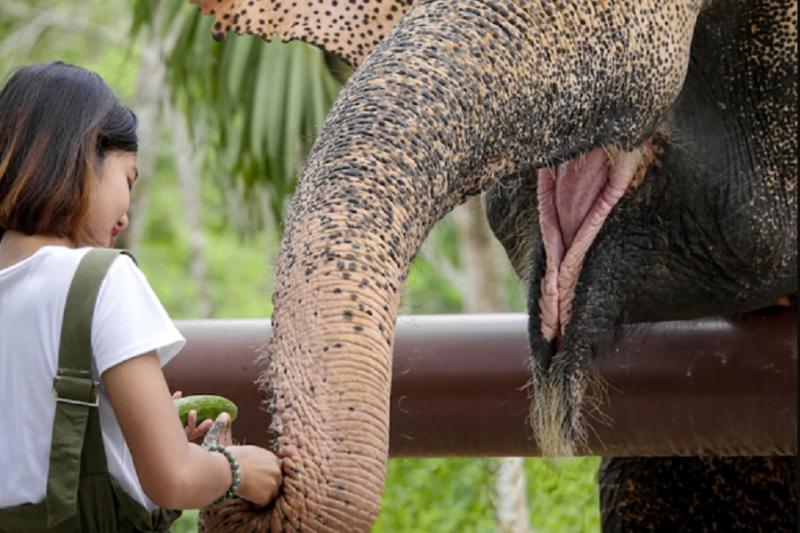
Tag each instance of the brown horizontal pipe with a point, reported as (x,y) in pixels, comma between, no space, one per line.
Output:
(706,387)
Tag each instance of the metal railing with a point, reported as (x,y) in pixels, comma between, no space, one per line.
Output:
(724,386)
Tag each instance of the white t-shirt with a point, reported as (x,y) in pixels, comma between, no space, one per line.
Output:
(128,321)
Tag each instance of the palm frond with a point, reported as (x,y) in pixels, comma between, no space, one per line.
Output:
(259,104)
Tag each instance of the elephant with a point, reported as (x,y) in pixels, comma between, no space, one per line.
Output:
(639,163)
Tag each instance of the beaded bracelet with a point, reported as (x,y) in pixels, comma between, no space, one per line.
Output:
(235,476)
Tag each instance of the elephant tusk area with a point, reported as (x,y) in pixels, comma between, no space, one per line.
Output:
(716,386)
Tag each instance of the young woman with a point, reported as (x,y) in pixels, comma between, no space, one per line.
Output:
(67,166)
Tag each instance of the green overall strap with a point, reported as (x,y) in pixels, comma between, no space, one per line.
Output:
(76,391)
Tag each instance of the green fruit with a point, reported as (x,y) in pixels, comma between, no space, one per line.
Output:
(206,405)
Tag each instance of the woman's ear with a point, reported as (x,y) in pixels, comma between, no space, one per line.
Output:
(347,28)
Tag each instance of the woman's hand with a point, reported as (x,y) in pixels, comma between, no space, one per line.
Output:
(260,469)
(260,473)
(193,431)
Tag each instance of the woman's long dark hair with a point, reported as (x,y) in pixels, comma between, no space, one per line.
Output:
(57,122)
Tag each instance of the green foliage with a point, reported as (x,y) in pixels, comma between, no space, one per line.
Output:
(563,494)
(437,495)
(257,106)
(428,291)
(35,31)
(187,523)
(427,288)
(456,495)
(240,268)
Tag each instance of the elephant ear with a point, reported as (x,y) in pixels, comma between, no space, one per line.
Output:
(347,28)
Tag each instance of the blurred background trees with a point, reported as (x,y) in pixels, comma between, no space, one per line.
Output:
(224,129)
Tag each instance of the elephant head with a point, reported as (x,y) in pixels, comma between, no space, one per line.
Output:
(640,156)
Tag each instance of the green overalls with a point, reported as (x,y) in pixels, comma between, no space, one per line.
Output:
(81,495)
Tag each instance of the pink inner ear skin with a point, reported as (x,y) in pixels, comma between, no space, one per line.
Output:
(575,198)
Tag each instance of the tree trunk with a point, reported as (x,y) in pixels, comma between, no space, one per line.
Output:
(482,259)
(187,161)
(150,91)
(511,498)
(482,292)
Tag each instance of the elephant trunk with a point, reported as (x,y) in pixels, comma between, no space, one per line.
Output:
(339,278)
(449,102)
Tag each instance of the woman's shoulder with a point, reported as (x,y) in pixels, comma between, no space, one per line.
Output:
(54,253)
(64,257)
(57,265)
(57,253)
(124,270)
(64,260)
(53,259)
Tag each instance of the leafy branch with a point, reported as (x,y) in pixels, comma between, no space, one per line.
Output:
(260,104)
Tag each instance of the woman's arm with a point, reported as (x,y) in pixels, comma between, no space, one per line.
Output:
(174,473)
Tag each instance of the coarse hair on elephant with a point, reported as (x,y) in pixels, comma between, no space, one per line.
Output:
(639,159)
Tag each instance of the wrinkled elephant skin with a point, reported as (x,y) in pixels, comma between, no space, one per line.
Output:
(640,157)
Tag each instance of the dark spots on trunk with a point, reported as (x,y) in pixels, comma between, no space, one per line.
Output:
(424,179)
